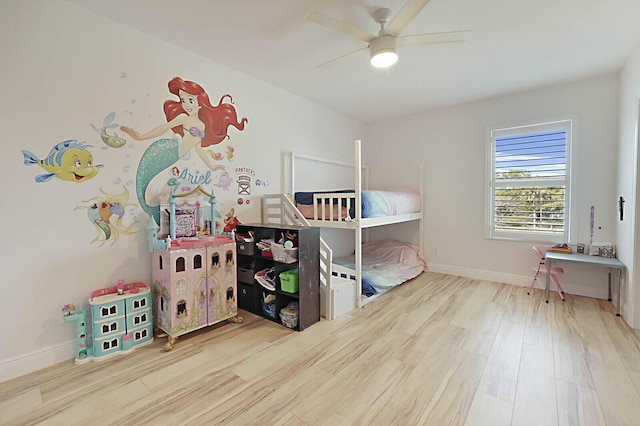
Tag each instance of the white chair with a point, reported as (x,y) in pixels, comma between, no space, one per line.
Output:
(543,268)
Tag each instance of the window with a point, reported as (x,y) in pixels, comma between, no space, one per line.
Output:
(180,264)
(529,190)
(139,335)
(139,319)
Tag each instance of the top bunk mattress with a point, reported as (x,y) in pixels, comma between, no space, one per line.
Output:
(374,204)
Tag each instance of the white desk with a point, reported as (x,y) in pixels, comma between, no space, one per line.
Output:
(610,263)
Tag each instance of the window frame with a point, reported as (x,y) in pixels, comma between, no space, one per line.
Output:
(568,124)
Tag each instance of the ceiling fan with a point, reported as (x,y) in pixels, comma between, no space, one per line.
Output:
(383,46)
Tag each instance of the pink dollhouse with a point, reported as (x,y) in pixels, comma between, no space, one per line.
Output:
(194,281)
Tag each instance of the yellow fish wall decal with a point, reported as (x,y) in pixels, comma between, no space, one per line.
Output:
(69,160)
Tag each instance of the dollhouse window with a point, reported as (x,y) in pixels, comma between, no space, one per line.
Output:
(180,264)
(229,257)
(181,308)
(140,319)
(140,335)
(106,345)
(229,293)
(215,260)
(160,262)
(111,310)
(197,262)
(109,327)
(139,303)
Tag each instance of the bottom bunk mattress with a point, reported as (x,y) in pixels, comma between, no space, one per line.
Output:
(385,264)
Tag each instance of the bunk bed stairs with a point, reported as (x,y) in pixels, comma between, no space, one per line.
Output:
(337,286)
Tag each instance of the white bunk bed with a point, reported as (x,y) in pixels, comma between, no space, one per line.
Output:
(281,208)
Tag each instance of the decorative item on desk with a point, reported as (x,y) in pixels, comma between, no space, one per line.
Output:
(603,250)
(580,248)
(561,248)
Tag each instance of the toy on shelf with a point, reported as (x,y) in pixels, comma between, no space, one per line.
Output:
(184,220)
(121,321)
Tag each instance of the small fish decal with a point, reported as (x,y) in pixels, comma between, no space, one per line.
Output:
(69,160)
(107,213)
(230,151)
(114,141)
(96,216)
(224,181)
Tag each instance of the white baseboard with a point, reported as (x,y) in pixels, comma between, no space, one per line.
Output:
(519,280)
(36,360)
(478,274)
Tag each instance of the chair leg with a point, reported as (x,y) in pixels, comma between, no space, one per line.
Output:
(533,281)
(557,285)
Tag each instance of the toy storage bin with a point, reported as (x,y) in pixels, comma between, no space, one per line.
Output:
(284,255)
(289,315)
(289,281)
(268,307)
(245,275)
(245,247)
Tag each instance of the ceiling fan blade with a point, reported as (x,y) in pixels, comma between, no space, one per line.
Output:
(339,59)
(407,14)
(432,38)
(343,27)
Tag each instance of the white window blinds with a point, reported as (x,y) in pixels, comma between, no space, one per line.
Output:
(529,182)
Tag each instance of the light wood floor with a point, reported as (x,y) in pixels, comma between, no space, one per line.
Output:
(438,350)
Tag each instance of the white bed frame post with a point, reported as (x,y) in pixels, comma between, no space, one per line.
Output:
(421,221)
(358,230)
(293,176)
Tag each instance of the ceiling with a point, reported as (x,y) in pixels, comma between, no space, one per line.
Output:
(512,45)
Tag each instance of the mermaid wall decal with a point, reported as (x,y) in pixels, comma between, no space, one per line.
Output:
(196,124)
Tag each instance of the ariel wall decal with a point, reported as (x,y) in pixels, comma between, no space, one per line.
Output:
(196,124)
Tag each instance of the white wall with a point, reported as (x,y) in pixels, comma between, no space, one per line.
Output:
(452,143)
(627,180)
(64,68)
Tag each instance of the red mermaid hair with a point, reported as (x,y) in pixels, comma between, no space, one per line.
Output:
(216,119)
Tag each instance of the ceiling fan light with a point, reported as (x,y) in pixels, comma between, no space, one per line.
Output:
(383,51)
(384,59)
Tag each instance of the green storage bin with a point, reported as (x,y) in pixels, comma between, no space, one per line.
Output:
(289,281)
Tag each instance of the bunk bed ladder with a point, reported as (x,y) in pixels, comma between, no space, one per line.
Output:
(326,259)
(278,208)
